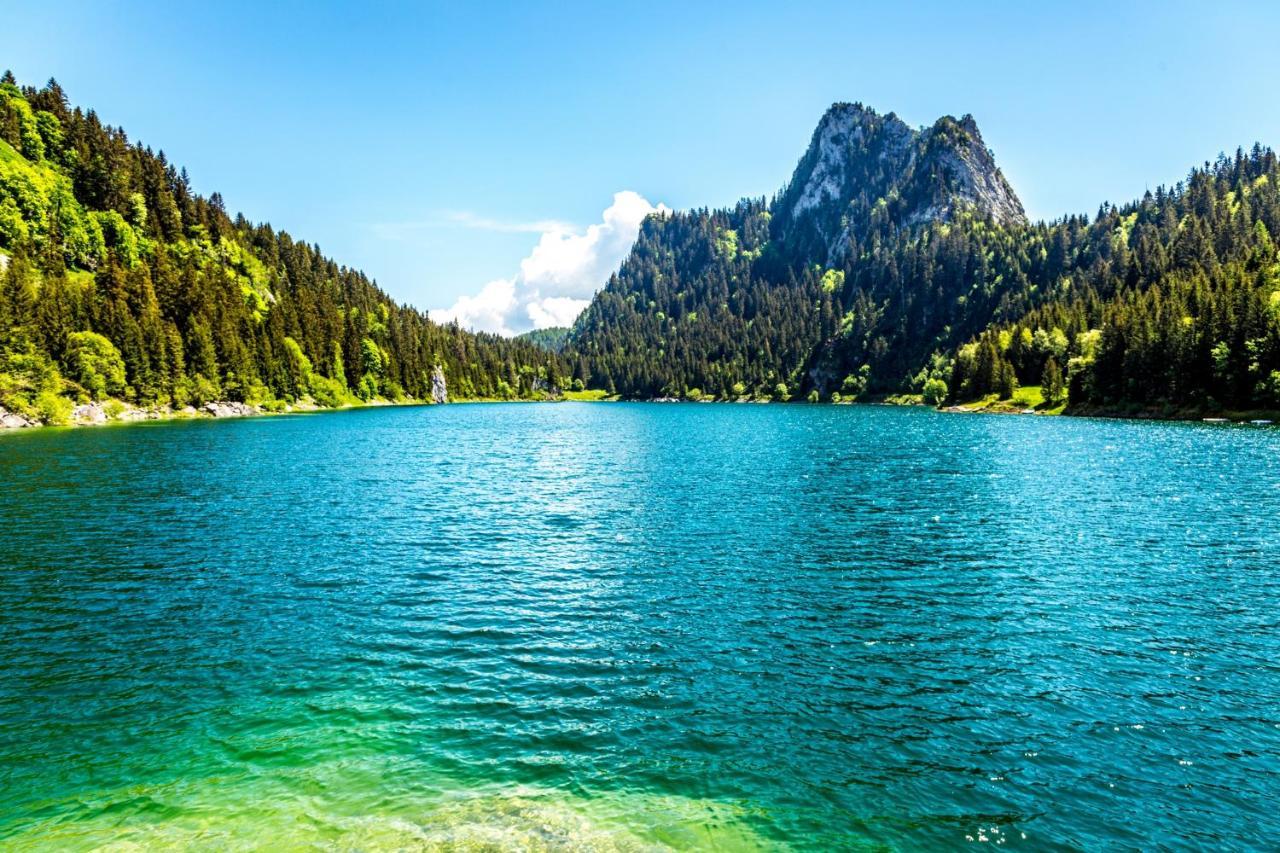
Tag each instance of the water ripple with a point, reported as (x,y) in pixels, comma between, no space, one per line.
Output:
(640,627)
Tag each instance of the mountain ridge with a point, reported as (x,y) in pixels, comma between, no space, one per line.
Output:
(900,261)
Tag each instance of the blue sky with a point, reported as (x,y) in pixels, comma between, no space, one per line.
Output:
(443,148)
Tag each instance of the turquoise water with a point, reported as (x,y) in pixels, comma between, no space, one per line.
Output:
(640,626)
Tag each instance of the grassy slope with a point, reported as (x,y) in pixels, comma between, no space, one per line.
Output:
(1028,397)
(587,396)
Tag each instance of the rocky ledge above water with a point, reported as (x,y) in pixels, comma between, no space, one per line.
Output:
(13,420)
(230,410)
(94,413)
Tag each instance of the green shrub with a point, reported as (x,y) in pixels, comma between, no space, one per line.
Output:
(53,409)
(257,394)
(935,391)
(856,383)
(118,235)
(94,362)
(297,367)
(202,390)
(329,393)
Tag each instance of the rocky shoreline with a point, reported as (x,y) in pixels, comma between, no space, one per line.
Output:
(95,413)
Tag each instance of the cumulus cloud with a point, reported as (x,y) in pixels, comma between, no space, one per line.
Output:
(558,277)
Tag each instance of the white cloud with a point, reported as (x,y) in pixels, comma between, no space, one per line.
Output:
(559,276)
(556,311)
(488,310)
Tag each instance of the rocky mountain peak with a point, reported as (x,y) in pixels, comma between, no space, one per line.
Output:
(844,131)
(862,167)
(960,170)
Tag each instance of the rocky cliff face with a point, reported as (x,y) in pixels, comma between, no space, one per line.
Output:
(863,168)
(958,171)
(439,390)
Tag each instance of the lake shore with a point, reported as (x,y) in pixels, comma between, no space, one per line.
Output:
(114,412)
(1260,417)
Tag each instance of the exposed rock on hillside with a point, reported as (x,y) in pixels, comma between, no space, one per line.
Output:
(439,389)
(862,167)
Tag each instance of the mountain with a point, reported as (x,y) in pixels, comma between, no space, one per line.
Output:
(118,281)
(900,260)
(771,299)
(862,167)
(894,260)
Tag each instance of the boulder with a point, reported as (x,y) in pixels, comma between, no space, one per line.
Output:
(13,420)
(89,413)
(229,409)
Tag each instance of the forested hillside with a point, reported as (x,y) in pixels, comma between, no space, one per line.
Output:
(1167,305)
(880,250)
(895,260)
(697,310)
(900,261)
(553,338)
(120,282)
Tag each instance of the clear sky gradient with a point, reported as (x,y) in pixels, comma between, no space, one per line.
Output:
(434,146)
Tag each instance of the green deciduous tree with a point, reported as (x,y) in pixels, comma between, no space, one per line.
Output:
(94,362)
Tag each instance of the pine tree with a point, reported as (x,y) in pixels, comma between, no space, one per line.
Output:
(1051,384)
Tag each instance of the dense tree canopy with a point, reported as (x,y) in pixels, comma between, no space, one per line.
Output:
(119,281)
(110,259)
(1170,304)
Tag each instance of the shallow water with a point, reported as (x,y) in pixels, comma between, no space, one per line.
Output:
(640,626)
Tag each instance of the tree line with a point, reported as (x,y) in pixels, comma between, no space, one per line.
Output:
(1170,304)
(120,281)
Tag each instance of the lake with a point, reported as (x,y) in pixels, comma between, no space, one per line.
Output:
(636,626)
